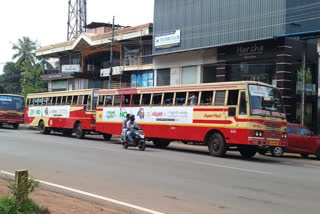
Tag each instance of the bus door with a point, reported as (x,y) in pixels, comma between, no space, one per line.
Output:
(232,108)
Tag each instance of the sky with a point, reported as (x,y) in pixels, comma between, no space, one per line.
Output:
(46,20)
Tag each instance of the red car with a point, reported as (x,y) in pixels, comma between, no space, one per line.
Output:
(303,141)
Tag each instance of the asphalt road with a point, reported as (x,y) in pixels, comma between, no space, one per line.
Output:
(177,180)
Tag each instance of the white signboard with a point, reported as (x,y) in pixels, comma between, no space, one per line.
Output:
(49,111)
(176,115)
(259,91)
(168,40)
(70,68)
(115,71)
(6,98)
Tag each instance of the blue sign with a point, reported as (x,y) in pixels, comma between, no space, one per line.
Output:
(139,80)
(133,80)
(150,79)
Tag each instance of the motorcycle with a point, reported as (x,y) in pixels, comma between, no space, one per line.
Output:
(138,140)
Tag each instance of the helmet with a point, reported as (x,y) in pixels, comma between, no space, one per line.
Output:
(131,117)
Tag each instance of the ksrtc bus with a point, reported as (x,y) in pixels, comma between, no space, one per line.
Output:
(240,116)
(63,111)
(11,110)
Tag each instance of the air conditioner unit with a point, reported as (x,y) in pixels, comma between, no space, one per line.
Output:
(90,67)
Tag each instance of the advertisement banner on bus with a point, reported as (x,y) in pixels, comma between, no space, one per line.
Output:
(182,115)
(49,111)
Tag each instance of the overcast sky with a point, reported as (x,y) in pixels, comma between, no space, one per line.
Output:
(46,20)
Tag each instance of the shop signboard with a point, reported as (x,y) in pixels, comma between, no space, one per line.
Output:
(70,68)
(168,40)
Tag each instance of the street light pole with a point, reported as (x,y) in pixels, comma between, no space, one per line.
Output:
(111,55)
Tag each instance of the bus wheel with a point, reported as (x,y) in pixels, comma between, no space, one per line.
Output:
(304,155)
(217,146)
(247,152)
(318,154)
(107,136)
(67,132)
(161,143)
(43,129)
(80,133)
(16,125)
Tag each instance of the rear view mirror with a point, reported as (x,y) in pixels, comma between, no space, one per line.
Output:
(84,108)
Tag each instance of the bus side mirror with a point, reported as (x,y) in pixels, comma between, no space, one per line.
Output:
(84,108)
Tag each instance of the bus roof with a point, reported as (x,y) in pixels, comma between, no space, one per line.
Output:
(182,88)
(13,95)
(61,93)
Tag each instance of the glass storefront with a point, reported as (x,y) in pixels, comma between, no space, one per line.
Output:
(258,70)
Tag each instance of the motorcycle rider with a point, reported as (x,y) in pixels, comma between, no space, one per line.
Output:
(124,127)
(131,125)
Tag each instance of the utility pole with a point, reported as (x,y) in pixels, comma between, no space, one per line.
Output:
(111,55)
(303,82)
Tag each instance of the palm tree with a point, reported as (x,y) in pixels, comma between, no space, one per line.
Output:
(25,52)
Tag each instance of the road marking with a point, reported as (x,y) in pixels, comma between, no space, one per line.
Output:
(92,195)
(235,168)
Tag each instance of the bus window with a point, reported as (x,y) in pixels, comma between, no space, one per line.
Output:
(233,97)
(243,104)
(101,100)
(31,102)
(206,98)
(181,98)
(193,98)
(85,100)
(58,101)
(80,100)
(75,100)
(117,100)
(126,100)
(168,99)
(108,100)
(35,102)
(69,100)
(219,98)
(45,101)
(136,100)
(146,98)
(64,100)
(156,99)
(54,99)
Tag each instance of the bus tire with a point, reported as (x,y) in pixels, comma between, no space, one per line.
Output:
(160,143)
(80,133)
(107,136)
(247,152)
(16,125)
(43,129)
(217,145)
(318,154)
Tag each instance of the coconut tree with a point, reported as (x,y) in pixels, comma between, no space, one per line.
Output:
(25,52)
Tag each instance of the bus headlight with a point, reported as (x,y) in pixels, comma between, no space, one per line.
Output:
(258,133)
(284,135)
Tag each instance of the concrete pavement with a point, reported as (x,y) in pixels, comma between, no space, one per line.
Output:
(175,180)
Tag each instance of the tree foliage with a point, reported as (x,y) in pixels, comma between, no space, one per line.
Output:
(23,75)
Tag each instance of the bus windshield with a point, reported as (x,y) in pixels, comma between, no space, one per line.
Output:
(266,101)
(14,103)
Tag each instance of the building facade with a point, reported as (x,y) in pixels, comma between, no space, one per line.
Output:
(263,40)
(85,62)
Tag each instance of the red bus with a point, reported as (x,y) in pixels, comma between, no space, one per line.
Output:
(63,111)
(240,116)
(11,110)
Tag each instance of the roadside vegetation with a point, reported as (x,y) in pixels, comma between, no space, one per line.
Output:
(22,74)
(18,202)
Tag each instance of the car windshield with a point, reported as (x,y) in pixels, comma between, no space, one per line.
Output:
(11,103)
(266,101)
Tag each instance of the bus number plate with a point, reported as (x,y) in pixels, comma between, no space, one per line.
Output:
(273,143)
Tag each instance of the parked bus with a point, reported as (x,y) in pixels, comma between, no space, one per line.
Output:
(11,110)
(240,116)
(64,111)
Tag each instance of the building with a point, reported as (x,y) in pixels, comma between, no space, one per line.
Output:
(263,40)
(85,62)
